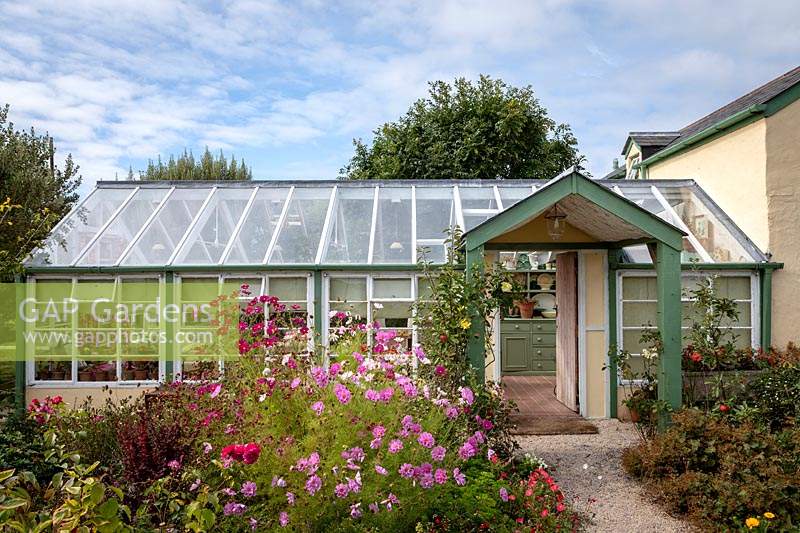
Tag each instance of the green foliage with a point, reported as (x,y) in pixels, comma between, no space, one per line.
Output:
(22,448)
(482,130)
(719,472)
(443,318)
(775,396)
(185,167)
(33,196)
(75,498)
(710,335)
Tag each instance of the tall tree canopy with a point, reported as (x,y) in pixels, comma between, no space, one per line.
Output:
(34,193)
(468,130)
(185,167)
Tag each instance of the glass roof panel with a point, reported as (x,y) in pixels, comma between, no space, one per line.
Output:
(436,213)
(299,236)
(214,228)
(393,227)
(511,194)
(156,245)
(250,245)
(107,249)
(80,227)
(348,241)
(478,204)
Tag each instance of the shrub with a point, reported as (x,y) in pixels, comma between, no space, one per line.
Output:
(718,472)
(22,448)
(776,396)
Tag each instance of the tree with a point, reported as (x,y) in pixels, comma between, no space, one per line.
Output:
(187,168)
(486,130)
(34,193)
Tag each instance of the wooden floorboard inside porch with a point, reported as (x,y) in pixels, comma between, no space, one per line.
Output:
(535,396)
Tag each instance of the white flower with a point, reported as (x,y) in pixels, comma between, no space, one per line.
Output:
(377,305)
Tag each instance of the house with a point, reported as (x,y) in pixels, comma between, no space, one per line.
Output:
(746,156)
(119,295)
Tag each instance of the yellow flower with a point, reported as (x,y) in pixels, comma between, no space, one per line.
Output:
(752,522)
(505,286)
(769,515)
(465,323)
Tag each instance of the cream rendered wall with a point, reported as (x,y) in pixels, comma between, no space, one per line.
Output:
(75,396)
(733,171)
(595,321)
(491,258)
(783,197)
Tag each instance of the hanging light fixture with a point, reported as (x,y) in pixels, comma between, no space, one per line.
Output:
(556,223)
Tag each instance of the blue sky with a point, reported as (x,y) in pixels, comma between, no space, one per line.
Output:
(288,85)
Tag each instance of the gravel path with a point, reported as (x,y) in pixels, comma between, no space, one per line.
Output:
(589,470)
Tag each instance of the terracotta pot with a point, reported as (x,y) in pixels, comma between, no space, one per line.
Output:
(140,375)
(128,375)
(43,375)
(635,416)
(525,308)
(100,375)
(57,375)
(84,375)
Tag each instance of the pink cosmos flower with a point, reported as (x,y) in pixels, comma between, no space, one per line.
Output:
(381,470)
(233,508)
(426,440)
(466,451)
(438,453)
(395,445)
(334,369)
(451,412)
(342,393)
(378,431)
(253,523)
(426,481)
(290,498)
(215,390)
(341,490)
(283,519)
(248,489)
(251,453)
(229,491)
(355,510)
(440,476)
(174,464)
(207,448)
(386,394)
(278,481)
(295,383)
(374,507)
(318,407)
(459,478)
(406,470)
(503,494)
(467,395)
(313,484)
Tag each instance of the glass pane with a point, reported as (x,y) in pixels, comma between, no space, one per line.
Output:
(214,228)
(348,289)
(511,194)
(288,289)
(107,249)
(253,285)
(53,369)
(64,245)
(435,215)
(199,289)
(477,197)
(639,313)
(393,229)
(350,226)
(639,288)
(736,288)
(383,288)
(250,245)
(156,244)
(424,289)
(299,237)
(393,314)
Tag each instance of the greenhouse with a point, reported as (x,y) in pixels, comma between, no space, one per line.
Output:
(582,249)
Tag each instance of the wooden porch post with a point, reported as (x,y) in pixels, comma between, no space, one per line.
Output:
(476,343)
(668,269)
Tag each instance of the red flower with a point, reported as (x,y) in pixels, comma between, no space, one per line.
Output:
(724,408)
(696,357)
(251,453)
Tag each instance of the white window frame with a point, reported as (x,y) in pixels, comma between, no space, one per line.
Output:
(74,383)
(755,304)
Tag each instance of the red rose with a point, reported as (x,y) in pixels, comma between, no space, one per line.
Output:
(696,357)
(57,399)
(724,408)
(442,338)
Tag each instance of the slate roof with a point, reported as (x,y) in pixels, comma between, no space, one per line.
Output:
(655,140)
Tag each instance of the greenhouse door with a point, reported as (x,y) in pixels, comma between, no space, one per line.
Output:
(567,328)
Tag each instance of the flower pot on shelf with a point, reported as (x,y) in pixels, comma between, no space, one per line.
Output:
(153,374)
(140,374)
(128,375)
(57,375)
(84,375)
(525,308)
(635,416)
(100,375)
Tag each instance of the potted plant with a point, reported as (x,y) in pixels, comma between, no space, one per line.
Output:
(85,373)
(526,307)
(140,371)
(152,371)
(128,371)
(58,371)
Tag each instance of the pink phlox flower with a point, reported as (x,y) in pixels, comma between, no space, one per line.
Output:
(334,369)
(466,451)
(386,394)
